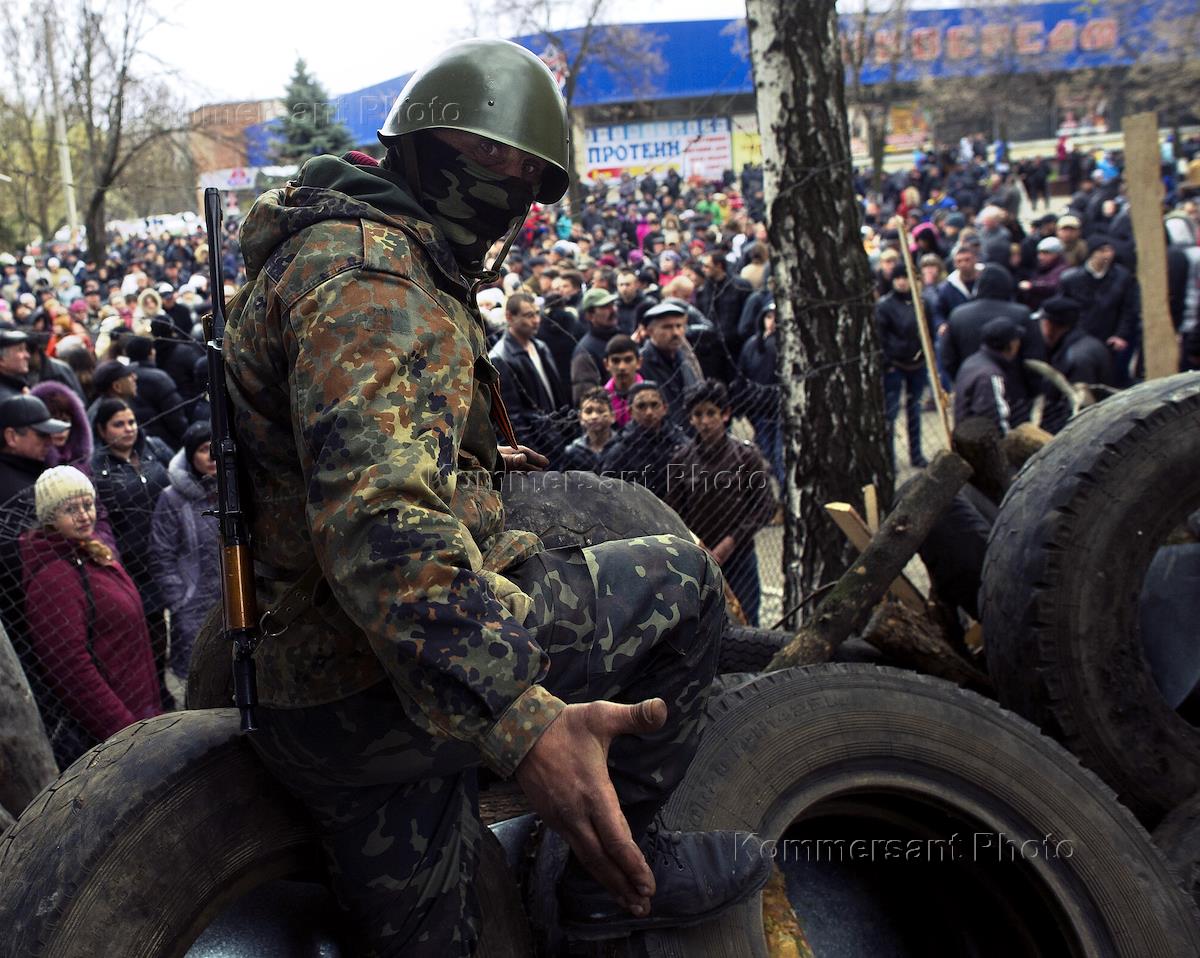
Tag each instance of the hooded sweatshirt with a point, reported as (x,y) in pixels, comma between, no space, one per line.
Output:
(358,374)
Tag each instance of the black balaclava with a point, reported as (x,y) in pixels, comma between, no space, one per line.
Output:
(472,205)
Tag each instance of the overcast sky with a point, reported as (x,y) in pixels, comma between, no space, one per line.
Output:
(256,44)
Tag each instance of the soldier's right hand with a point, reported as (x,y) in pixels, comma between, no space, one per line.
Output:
(565,778)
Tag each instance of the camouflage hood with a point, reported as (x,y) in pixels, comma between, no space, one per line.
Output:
(329,188)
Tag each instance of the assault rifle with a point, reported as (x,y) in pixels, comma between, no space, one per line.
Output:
(237,564)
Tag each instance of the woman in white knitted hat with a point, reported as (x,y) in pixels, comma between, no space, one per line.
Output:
(85,619)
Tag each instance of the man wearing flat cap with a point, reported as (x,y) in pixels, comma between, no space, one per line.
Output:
(14,362)
(112,379)
(587,361)
(662,356)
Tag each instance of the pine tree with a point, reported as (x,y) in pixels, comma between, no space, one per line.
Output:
(310,126)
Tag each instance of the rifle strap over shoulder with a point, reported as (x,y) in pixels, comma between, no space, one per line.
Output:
(308,591)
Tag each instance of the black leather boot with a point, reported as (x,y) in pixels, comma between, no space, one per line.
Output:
(698,876)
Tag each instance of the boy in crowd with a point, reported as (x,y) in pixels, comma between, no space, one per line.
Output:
(621,360)
(643,450)
(596,418)
(720,487)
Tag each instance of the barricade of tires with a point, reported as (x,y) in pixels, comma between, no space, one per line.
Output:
(907,815)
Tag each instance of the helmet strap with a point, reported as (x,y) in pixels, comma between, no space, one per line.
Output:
(492,274)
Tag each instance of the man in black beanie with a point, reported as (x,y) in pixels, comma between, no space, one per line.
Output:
(1081,358)
(989,382)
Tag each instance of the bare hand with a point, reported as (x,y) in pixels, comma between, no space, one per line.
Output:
(1116,343)
(523,459)
(565,778)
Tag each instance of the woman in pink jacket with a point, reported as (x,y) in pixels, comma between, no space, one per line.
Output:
(85,619)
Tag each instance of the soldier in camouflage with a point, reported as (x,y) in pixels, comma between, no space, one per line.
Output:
(436,640)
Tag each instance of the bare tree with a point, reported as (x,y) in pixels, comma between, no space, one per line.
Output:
(575,37)
(1165,73)
(873,40)
(830,365)
(113,95)
(26,137)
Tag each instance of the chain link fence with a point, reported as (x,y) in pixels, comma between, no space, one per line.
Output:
(105,641)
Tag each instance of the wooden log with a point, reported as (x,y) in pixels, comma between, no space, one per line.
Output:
(1144,187)
(26,762)
(847,607)
(1021,443)
(860,535)
(913,641)
(978,441)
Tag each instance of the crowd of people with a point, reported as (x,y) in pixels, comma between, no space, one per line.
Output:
(635,336)
(106,472)
(998,288)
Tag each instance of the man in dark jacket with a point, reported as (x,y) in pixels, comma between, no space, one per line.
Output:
(904,364)
(157,404)
(1079,357)
(25,430)
(14,362)
(993,298)
(989,382)
(529,380)
(1109,303)
(721,299)
(587,362)
(632,301)
(662,359)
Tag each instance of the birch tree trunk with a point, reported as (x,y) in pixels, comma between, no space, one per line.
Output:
(836,438)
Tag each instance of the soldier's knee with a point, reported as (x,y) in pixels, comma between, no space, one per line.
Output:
(694,561)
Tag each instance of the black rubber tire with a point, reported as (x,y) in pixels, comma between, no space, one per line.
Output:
(746,649)
(1065,565)
(582,508)
(783,745)
(148,836)
(210,672)
(1178,838)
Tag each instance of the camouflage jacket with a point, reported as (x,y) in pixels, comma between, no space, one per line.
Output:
(358,379)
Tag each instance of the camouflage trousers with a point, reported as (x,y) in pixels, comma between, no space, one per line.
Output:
(398,809)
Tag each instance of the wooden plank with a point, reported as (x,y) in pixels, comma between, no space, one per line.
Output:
(871,504)
(857,531)
(1143,186)
(940,400)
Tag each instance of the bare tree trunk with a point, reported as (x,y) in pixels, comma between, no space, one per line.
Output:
(93,222)
(836,437)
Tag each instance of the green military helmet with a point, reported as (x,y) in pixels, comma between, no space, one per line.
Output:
(493,88)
